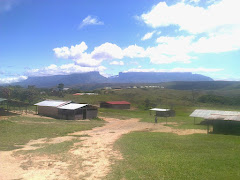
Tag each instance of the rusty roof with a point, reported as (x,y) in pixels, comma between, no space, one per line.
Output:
(118,102)
(216,114)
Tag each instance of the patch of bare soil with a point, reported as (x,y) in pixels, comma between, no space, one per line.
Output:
(89,158)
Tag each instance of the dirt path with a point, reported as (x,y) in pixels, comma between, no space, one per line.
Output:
(90,158)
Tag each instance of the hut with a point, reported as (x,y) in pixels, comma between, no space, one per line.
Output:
(75,111)
(50,107)
(66,110)
(225,122)
(163,112)
(115,104)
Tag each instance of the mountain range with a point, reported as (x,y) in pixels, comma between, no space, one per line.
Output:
(97,78)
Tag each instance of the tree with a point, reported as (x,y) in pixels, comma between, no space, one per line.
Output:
(60,87)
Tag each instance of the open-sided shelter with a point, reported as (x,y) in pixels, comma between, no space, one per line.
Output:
(75,111)
(163,112)
(115,104)
(227,122)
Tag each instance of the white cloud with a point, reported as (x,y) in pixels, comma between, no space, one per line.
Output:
(195,19)
(107,51)
(148,36)
(120,63)
(218,43)
(9,80)
(171,49)
(73,52)
(63,70)
(134,51)
(90,20)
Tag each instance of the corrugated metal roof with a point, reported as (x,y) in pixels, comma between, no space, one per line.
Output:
(157,109)
(118,102)
(216,114)
(2,99)
(52,103)
(72,106)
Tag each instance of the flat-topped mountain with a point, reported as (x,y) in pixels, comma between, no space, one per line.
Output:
(97,78)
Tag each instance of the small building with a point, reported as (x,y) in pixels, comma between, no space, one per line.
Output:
(75,111)
(225,122)
(115,104)
(66,110)
(163,112)
(50,107)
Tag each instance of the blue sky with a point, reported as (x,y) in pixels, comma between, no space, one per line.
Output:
(50,37)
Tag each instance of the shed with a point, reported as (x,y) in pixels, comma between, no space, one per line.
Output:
(115,104)
(163,112)
(75,111)
(227,122)
(50,107)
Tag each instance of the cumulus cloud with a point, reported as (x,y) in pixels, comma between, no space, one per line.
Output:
(194,19)
(148,36)
(63,70)
(107,51)
(119,63)
(134,51)
(9,80)
(90,20)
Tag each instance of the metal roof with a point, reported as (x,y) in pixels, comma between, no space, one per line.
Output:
(2,99)
(52,103)
(216,114)
(118,102)
(157,109)
(72,106)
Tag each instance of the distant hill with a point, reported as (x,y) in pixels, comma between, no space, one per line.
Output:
(157,77)
(67,80)
(96,78)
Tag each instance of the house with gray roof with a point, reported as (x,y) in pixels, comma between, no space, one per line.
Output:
(66,110)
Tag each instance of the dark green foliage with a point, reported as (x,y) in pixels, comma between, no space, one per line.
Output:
(202,85)
(215,99)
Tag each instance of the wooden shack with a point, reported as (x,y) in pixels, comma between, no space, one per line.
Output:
(115,104)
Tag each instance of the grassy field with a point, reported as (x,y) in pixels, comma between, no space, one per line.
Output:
(147,155)
(169,156)
(19,130)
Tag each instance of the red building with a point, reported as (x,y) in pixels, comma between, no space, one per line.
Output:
(115,104)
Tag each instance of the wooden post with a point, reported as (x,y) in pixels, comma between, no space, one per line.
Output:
(207,128)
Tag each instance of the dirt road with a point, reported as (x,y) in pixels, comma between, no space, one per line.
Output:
(89,158)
